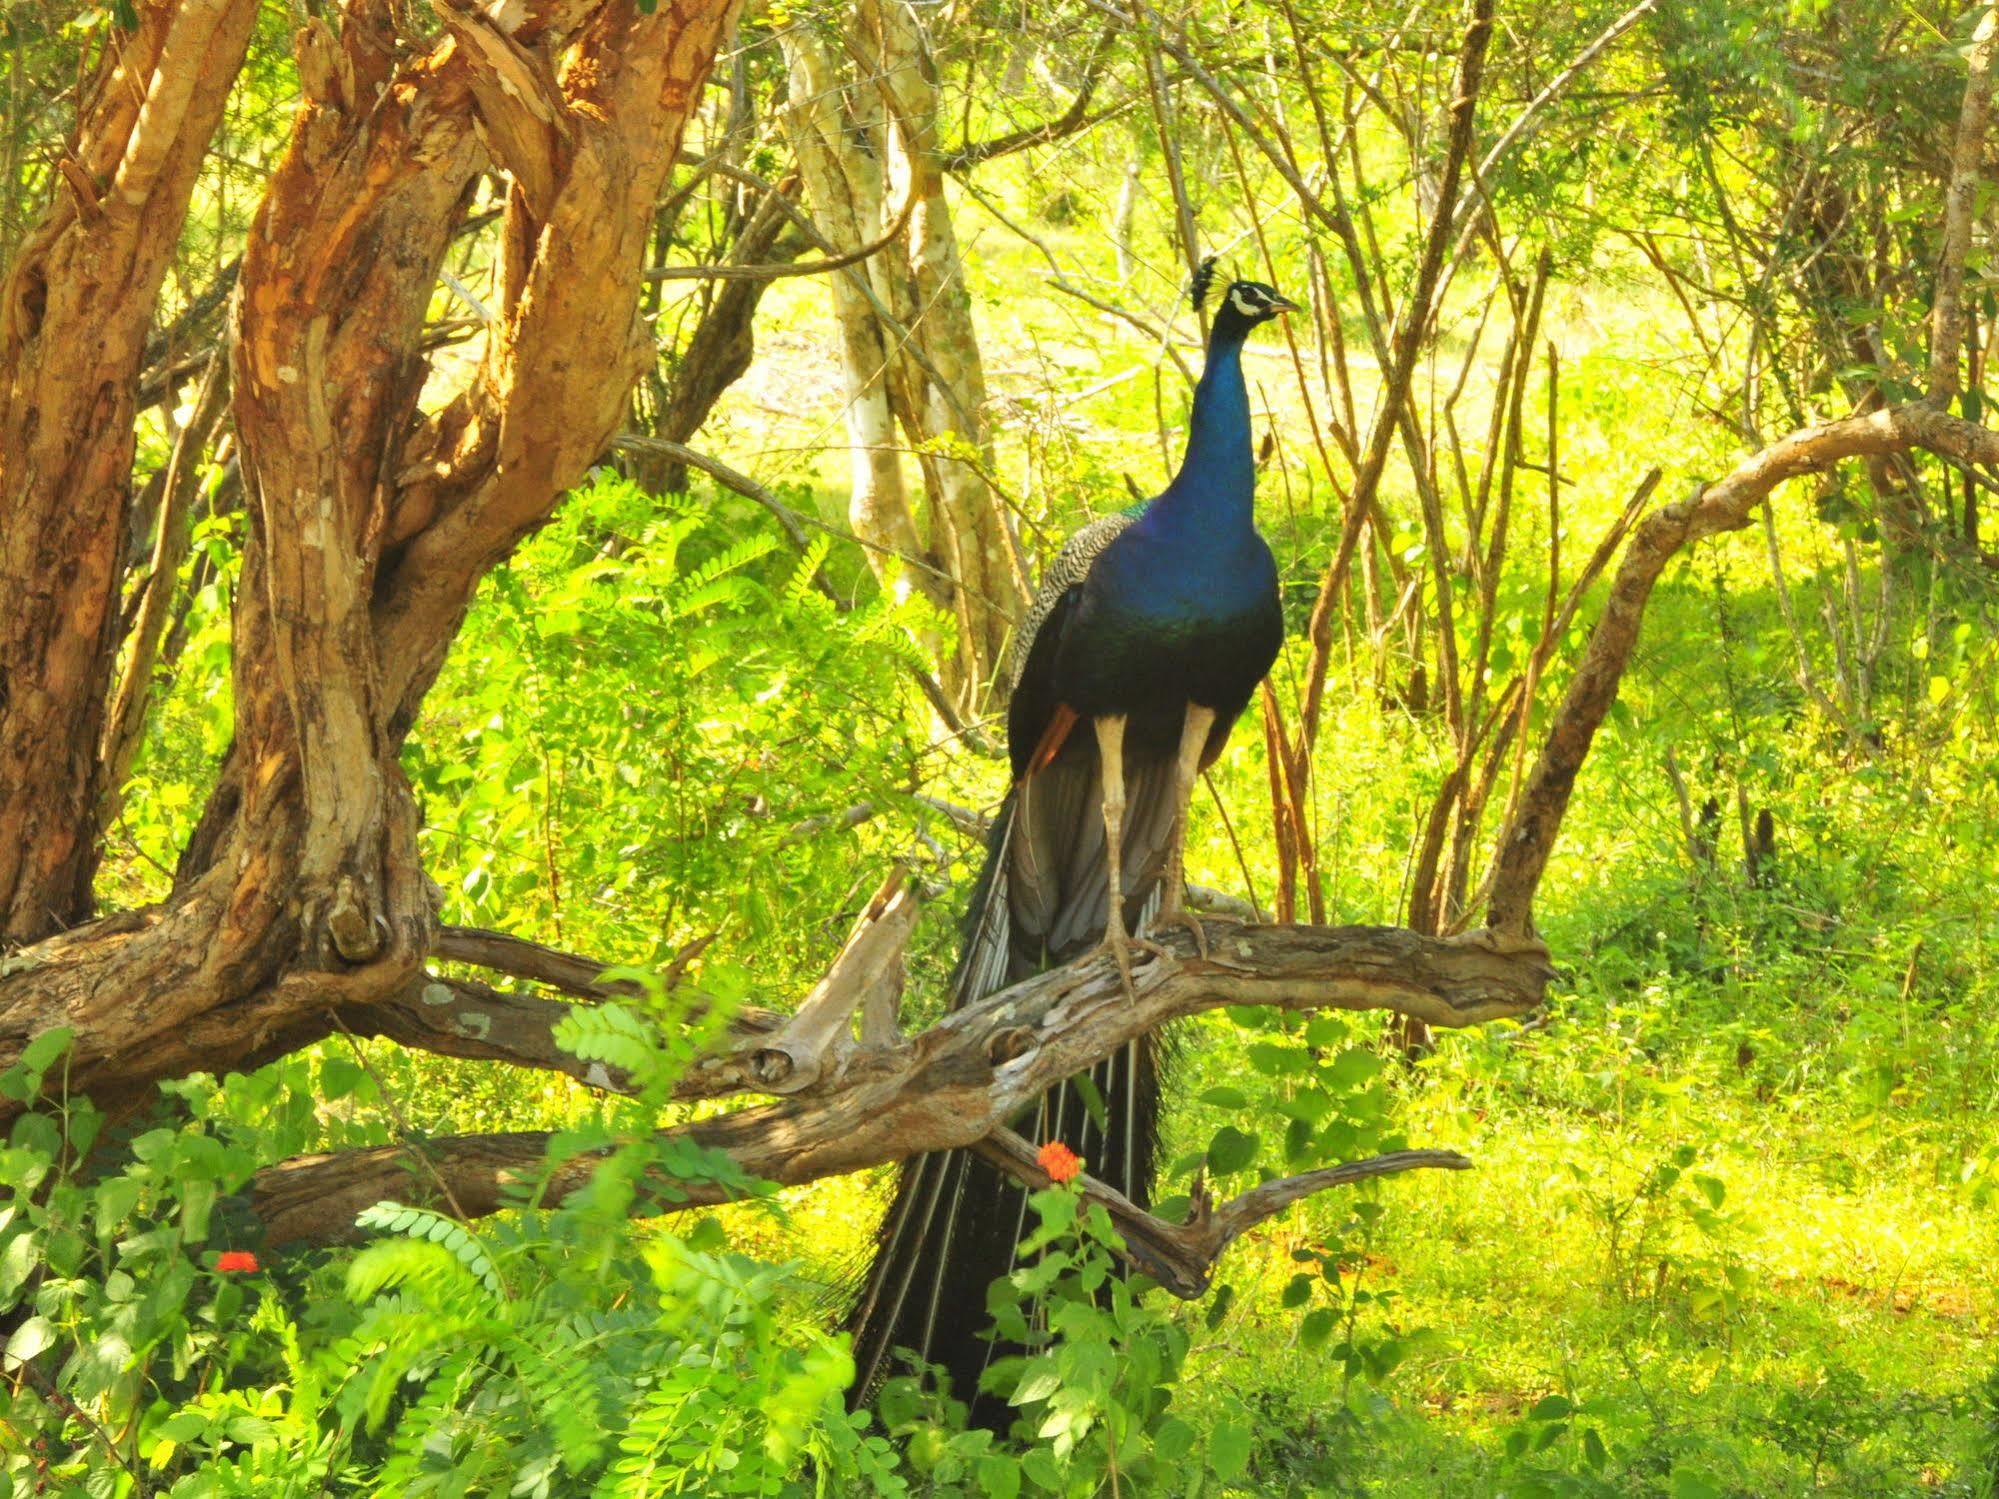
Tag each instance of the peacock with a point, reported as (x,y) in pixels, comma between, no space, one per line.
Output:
(1151,630)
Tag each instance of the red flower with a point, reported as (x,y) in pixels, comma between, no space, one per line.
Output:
(235,1259)
(1060,1162)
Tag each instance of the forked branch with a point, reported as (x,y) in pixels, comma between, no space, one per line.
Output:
(963,1078)
(1182,1256)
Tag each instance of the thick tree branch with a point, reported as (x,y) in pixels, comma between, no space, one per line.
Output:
(75,307)
(519,958)
(971,1072)
(569,342)
(1726,505)
(301,891)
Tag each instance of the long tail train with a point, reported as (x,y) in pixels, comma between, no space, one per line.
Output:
(953,1224)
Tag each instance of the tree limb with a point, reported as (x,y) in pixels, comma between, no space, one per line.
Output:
(1182,1256)
(967,1075)
(1726,505)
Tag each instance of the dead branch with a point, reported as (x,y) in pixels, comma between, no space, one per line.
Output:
(966,1076)
(1726,505)
(1182,1256)
(519,958)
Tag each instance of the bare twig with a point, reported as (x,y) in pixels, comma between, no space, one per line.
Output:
(1411,328)
(1182,1256)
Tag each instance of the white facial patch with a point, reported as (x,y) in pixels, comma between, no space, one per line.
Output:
(1244,302)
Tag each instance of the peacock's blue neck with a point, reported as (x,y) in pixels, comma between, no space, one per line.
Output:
(1212,495)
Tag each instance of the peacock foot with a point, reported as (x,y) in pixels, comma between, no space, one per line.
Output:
(1187,919)
(1120,947)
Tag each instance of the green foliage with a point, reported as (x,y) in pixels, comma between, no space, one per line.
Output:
(1095,1389)
(1737,1193)
(548,1351)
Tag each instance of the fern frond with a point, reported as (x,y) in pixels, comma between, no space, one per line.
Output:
(420,1224)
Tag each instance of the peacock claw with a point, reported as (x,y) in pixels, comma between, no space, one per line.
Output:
(1190,921)
(1120,946)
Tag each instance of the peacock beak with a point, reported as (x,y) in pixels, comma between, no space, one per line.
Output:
(1281,306)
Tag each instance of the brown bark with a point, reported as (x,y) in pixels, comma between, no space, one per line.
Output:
(969,529)
(74,313)
(848,1105)
(302,893)
(1727,505)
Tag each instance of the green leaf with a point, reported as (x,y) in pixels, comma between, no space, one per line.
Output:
(1040,1466)
(1038,1385)
(1594,1455)
(197,1201)
(1230,1150)
(1228,1449)
(999,1477)
(1093,1100)
(34,1336)
(1173,1440)
(339,1076)
(1218,1308)
(1316,1327)
(40,1053)
(117,1198)
(17,1263)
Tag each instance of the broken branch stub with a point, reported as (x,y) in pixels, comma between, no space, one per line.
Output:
(966,1076)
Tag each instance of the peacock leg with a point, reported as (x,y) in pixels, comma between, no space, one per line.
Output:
(1186,771)
(1110,755)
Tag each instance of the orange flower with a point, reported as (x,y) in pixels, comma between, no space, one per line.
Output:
(1060,1162)
(235,1259)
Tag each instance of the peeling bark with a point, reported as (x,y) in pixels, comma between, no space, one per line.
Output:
(75,309)
(843,182)
(301,893)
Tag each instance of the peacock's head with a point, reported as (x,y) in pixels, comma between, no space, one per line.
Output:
(1242,305)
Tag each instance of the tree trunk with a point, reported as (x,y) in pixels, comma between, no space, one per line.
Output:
(909,350)
(839,159)
(371,525)
(969,527)
(74,313)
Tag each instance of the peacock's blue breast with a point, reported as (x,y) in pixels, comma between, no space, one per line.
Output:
(1165,619)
